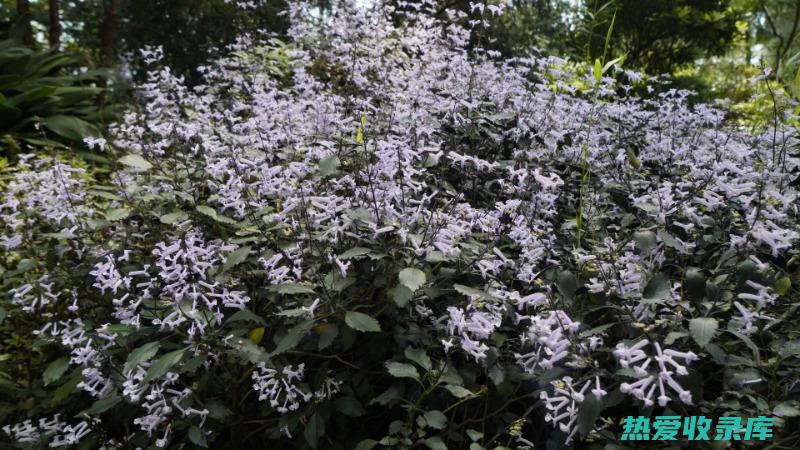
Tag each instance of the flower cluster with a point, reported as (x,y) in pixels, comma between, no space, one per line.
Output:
(443,230)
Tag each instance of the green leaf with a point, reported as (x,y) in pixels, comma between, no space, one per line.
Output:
(419,357)
(315,429)
(671,242)
(394,392)
(783,285)
(235,257)
(598,71)
(292,337)
(102,405)
(412,278)
(645,241)
(173,217)
(435,443)
(63,391)
(458,391)
(567,284)
(162,366)
(402,370)
(328,166)
(401,295)
(366,444)
(349,406)
(658,290)
(3,314)
(750,344)
(256,335)
(326,335)
(136,161)
(789,408)
(632,158)
(695,283)
(588,413)
(70,127)
(197,437)
(212,213)
(703,329)
(435,419)
(291,288)
(55,370)
(140,355)
(245,316)
(474,435)
(117,214)
(354,252)
(471,292)
(361,322)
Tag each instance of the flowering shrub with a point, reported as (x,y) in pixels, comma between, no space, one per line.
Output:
(373,238)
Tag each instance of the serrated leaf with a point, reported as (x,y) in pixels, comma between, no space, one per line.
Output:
(55,370)
(402,370)
(115,214)
(293,337)
(703,329)
(140,355)
(458,391)
(412,278)
(394,392)
(790,408)
(328,166)
(162,366)
(400,295)
(435,443)
(354,253)
(197,437)
(435,419)
(327,333)
(291,288)
(366,444)
(470,292)
(244,316)
(173,217)
(670,241)
(474,435)
(419,357)
(136,161)
(361,322)
(658,290)
(212,213)
(235,257)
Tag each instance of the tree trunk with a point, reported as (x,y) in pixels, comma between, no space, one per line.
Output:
(109,31)
(55,25)
(24,13)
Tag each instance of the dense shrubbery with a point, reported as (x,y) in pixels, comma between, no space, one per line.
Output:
(45,99)
(372,239)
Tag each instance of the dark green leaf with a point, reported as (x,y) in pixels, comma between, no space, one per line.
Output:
(55,370)
(361,322)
